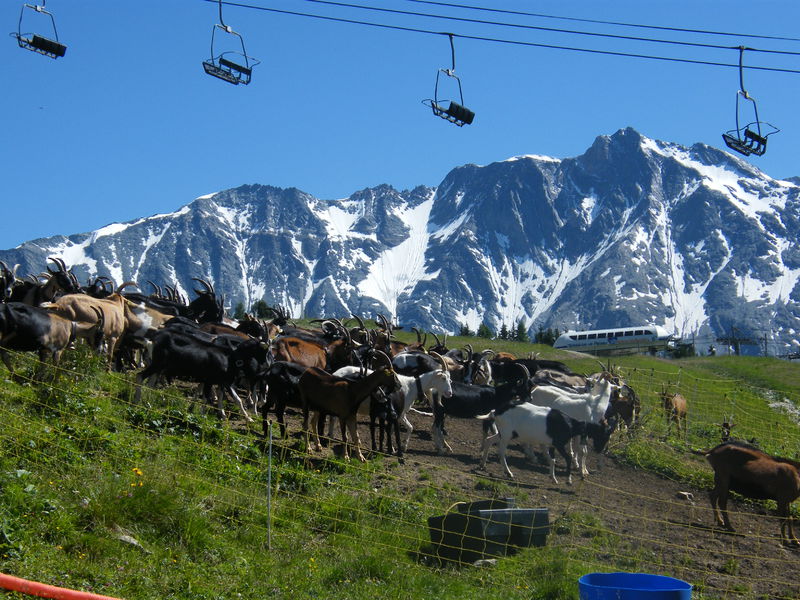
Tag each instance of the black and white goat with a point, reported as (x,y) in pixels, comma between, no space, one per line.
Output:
(532,425)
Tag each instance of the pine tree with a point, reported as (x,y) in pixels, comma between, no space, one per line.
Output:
(238,312)
(484,331)
(504,332)
(261,309)
(522,332)
(464,331)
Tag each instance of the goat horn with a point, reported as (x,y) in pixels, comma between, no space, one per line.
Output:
(385,357)
(360,322)
(126,284)
(419,336)
(440,360)
(525,371)
(59,263)
(205,284)
(436,337)
(101,318)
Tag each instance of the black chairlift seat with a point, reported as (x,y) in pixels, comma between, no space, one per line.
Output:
(42,45)
(455,113)
(749,142)
(227,70)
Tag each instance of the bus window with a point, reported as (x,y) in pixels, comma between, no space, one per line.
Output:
(638,332)
(629,333)
(582,337)
(591,336)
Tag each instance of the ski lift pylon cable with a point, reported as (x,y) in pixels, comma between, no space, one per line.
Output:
(39,43)
(224,68)
(750,139)
(455,112)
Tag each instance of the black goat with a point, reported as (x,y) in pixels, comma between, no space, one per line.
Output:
(32,329)
(281,379)
(470,401)
(506,370)
(210,363)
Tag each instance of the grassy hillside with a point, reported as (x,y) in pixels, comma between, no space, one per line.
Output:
(157,501)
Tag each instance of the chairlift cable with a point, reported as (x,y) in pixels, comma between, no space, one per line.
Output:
(507,41)
(601,22)
(538,28)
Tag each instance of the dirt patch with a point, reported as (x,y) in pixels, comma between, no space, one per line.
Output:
(620,517)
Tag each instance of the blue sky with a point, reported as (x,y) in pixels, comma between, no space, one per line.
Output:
(128,125)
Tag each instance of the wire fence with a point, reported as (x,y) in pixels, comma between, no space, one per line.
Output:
(632,513)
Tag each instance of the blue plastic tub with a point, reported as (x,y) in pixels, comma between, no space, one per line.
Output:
(632,586)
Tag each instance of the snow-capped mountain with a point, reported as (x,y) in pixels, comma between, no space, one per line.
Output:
(633,231)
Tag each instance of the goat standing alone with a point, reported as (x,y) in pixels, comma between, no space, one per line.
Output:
(750,472)
(675,409)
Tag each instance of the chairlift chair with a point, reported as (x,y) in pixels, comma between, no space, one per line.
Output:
(224,68)
(752,138)
(455,112)
(39,43)
(221,66)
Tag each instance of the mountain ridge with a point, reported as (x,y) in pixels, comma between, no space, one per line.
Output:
(634,230)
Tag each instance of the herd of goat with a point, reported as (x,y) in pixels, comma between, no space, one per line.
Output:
(336,371)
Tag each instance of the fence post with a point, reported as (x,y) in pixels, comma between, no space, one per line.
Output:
(269,491)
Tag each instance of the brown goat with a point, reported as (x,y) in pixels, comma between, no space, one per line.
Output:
(744,469)
(322,392)
(301,352)
(675,409)
(80,307)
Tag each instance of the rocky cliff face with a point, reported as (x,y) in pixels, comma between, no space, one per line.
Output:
(633,231)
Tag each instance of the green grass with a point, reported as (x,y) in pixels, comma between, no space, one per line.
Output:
(154,501)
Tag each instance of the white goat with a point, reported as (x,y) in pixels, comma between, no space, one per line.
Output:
(589,407)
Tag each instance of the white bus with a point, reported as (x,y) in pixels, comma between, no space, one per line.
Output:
(619,339)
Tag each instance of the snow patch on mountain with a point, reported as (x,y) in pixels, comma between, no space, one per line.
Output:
(397,270)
